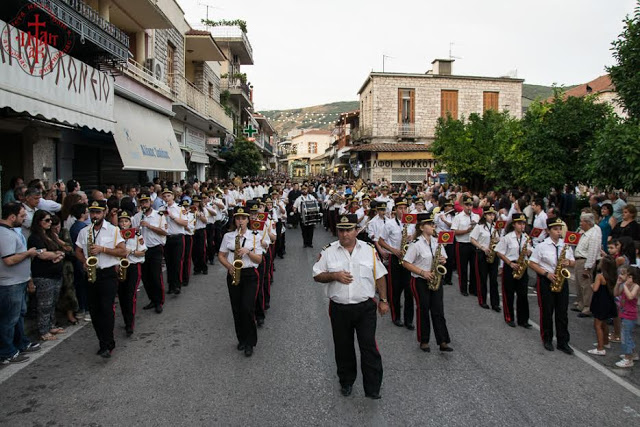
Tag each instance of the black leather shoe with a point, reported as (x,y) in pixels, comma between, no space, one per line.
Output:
(159,308)
(374,396)
(526,325)
(485,306)
(106,354)
(409,326)
(260,322)
(425,347)
(184,285)
(398,323)
(548,346)
(205,272)
(565,349)
(576,309)
(512,324)
(248,351)
(195,273)
(129,331)
(149,306)
(240,347)
(267,306)
(583,315)
(177,291)
(170,291)
(465,294)
(496,309)
(445,349)
(346,390)
(473,293)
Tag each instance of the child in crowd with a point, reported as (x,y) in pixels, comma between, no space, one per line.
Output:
(603,305)
(628,290)
(616,250)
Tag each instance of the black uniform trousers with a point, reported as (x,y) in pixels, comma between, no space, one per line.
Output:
(271,254)
(484,272)
(174,255)
(361,319)
(243,303)
(429,302)
(211,242)
(280,239)
(466,264)
(450,250)
(101,296)
(551,303)
(219,227)
(185,273)
(398,283)
(152,274)
(307,234)
(128,294)
(511,286)
(199,251)
(262,274)
(333,219)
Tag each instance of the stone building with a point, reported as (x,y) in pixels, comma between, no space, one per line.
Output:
(305,147)
(399,113)
(603,90)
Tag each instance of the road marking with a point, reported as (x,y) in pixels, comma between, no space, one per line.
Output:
(7,371)
(589,361)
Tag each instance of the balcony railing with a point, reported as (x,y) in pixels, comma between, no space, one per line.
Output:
(145,76)
(184,91)
(406,130)
(359,133)
(90,25)
(237,85)
(232,32)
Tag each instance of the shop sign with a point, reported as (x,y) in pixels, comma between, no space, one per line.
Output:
(405,164)
(195,139)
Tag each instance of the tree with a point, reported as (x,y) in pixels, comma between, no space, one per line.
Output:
(244,158)
(625,74)
(615,157)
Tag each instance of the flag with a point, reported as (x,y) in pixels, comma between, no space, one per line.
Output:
(572,238)
(501,225)
(536,232)
(128,233)
(445,237)
(257,225)
(409,218)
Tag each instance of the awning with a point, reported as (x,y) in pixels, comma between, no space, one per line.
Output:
(198,157)
(145,139)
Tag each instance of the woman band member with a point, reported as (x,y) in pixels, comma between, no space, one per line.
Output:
(247,249)
(418,260)
(481,237)
(199,251)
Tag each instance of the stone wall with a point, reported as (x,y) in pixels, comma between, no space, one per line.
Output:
(161,41)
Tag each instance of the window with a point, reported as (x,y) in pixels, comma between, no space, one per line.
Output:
(449,103)
(489,101)
(313,148)
(406,106)
(171,62)
(210,90)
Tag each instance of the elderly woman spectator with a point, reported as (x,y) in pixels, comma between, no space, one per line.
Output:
(628,226)
(586,254)
(607,224)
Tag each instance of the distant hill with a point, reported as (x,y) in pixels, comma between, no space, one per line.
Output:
(325,116)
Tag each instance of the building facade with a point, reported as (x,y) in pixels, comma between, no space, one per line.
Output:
(303,148)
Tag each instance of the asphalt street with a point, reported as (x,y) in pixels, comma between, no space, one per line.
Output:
(182,368)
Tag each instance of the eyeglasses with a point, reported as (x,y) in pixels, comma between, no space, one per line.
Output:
(47,220)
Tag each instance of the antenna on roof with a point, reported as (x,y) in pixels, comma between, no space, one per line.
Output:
(451,52)
(207,5)
(383,58)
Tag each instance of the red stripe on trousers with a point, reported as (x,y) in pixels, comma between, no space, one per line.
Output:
(414,288)
(390,292)
(540,309)
(255,298)
(162,277)
(478,285)
(458,266)
(507,315)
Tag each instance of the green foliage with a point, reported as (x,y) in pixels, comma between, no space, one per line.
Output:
(625,75)
(615,157)
(225,23)
(243,158)
(225,96)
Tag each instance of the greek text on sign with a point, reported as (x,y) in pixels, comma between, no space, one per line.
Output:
(408,164)
(154,152)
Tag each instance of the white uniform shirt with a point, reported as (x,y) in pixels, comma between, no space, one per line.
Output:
(482,234)
(175,211)
(229,200)
(440,224)
(137,244)
(199,223)
(421,252)
(303,198)
(388,200)
(249,240)
(108,236)
(376,226)
(510,246)
(462,221)
(362,218)
(546,254)
(392,232)
(191,223)
(151,238)
(361,263)
(540,221)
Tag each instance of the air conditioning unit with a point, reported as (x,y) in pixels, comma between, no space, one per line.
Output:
(155,68)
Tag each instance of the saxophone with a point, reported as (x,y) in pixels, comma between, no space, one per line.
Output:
(560,272)
(237,261)
(438,270)
(403,243)
(495,238)
(523,262)
(92,261)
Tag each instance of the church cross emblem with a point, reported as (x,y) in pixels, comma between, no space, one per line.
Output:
(249,131)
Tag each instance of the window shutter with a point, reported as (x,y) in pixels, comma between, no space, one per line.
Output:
(412,107)
(449,103)
(490,101)
(399,105)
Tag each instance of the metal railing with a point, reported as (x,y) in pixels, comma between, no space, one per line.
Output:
(92,15)
(231,33)
(226,84)
(406,130)
(184,91)
(145,76)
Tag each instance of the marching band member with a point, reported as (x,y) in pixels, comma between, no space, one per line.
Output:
(539,220)
(270,227)
(242,244)
(153,228)
(509,249)
(189,231)
(128,289)
(307,230)
(108,246)
(174,248)
(375,227)
(443,222)
(263,240)
(199,253)
(384,197)
(481,238)
(352,272)
(418,206)
(463,223)
(544,261)
(280,211)
(398,279)
(419,261)
(216,208)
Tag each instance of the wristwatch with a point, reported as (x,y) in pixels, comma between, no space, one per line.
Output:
(384,300)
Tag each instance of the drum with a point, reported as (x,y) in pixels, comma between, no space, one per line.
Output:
(310,212)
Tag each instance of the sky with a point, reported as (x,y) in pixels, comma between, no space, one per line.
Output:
(310,53)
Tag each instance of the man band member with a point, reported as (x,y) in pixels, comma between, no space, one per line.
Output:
(352,271)
(242,294)
(307,230)
(153,228)
(463,223)
(128,289)
(108,246)
(544,261)
(481,237)
(391,240)
(443,222)
(174,249)
(509,249)
(281,226)
(199,247)
(189,231)
(419,261)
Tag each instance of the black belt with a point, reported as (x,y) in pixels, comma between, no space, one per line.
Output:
(580,257)
(174,236)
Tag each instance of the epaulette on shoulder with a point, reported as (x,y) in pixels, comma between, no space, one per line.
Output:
(370,244)
(326,246)
(414,240)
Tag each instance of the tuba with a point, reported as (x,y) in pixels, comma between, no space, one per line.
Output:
(92,261)
(522,262)
(438,270)
(561,273)
(237,262)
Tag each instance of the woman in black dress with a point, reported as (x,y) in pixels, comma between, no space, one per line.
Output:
(628,226)
(603,305)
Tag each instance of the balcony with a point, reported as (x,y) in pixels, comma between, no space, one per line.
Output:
(145,76)
(89,25)
(237,89)
(406,130)
(359,134)
(237,42)
(185,92)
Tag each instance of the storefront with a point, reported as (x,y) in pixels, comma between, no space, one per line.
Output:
(393,166)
